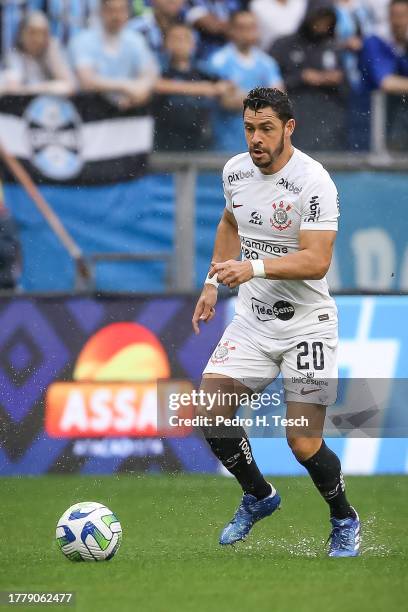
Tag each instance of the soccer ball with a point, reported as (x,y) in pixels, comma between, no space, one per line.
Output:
(89,531)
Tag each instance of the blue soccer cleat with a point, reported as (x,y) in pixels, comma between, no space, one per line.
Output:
(345,537)
(248,513)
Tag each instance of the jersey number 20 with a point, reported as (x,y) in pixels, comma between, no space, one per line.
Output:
(317,355)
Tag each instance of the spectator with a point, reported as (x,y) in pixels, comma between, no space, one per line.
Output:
(247,67)
(66,17)
(112,60)
(183,106)
(384,66)
(37,64)
(10,252)
(211,19)
(313,76)
(384,62)
(277,18)
(154,24)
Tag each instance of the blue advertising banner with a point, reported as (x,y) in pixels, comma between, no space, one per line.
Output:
(75,395)
(372,246)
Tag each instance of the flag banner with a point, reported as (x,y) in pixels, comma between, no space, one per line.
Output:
(82,140)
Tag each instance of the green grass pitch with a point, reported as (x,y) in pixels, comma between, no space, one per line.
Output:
(170,560)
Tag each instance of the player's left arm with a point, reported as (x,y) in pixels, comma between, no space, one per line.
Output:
(311,262)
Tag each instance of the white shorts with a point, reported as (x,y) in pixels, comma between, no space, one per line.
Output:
(308,363)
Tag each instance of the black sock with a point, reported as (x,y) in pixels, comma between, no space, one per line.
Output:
(325,470)
(236,456)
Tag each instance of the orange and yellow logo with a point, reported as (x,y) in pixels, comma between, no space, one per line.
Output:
(115,390)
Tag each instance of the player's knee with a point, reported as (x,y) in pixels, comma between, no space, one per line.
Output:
(303,448)
(216,397)
(207,407)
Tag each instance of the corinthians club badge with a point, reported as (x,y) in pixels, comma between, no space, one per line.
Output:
(280,218)
(222,352)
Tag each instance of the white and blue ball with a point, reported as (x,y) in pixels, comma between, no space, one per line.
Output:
(89,531)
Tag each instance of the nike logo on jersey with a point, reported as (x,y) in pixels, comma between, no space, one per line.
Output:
(236,205)
(304,391)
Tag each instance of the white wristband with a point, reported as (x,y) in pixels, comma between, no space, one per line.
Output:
(258,267)
(211,281)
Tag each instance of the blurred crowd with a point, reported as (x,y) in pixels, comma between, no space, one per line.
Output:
(193,61)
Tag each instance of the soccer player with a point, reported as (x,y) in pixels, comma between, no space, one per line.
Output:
(281,214)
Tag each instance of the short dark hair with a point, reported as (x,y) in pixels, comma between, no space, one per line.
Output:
(398,2)
(262,97)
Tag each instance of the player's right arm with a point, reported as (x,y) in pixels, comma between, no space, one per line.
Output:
(227,242)
(227,246)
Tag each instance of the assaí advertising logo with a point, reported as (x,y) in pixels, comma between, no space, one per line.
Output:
(115,390)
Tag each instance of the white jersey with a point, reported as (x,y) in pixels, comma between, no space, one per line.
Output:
(270,210)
